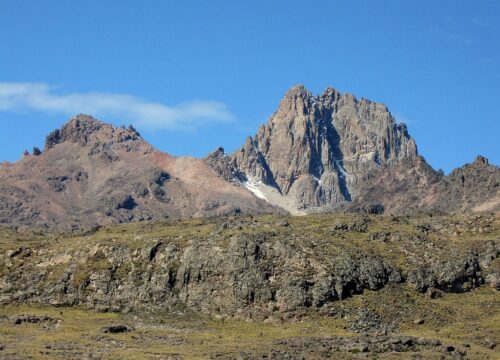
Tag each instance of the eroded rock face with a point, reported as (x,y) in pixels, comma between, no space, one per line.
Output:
(335,152)
(205,276)
(224,165)
(314,148)
(456,276)
(474,186)
(248,272)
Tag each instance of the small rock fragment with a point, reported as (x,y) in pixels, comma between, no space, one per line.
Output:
(115,329)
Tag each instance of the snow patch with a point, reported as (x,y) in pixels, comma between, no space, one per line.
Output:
(342,170)
(317,180)
(254,187)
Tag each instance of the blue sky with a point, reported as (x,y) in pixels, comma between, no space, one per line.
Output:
(193,75)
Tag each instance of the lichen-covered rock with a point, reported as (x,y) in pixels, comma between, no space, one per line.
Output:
(211,276)
(458,275)
(244,266)
(493,280)
(368,321)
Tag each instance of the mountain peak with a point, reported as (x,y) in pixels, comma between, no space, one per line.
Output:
(481,160)
(316,150)
(77,129)
(84,119)
(330,90)
(298,90)
(84,129)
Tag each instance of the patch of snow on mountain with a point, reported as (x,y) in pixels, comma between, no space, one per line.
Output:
(342,170)
(254,187)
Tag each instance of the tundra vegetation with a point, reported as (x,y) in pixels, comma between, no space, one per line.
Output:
(270,286)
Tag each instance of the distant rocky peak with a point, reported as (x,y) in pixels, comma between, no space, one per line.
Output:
(329,96)
(297,91)
(481,160)
(78,129)
(218,152)
(83,124)
(316,150)
(85,129)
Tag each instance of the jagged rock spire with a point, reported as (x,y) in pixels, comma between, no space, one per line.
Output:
(314,148)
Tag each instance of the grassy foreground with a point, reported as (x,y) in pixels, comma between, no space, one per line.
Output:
(471,321)
(468,321)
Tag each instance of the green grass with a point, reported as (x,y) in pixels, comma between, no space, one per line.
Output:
(454,318)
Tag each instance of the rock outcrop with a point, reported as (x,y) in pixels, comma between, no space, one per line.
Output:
(472,187)
(335,152)
(253,266)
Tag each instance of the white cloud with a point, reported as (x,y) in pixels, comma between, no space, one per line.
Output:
(24,97)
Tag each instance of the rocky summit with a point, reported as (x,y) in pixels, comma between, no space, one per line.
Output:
(336,152)
(91,173)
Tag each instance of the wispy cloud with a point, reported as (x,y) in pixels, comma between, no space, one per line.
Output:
(444,34)
(453,30)
(26,97)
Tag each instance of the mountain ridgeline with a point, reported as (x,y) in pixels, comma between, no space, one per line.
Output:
(335,152)
(323,153)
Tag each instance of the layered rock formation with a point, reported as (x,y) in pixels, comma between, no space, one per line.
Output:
(94,173)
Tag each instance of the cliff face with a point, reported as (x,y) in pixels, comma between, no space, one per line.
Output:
(316,151)
(94,173)
(248,265)
(335,152)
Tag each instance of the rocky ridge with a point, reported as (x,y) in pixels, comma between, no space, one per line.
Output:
(92,173)
(331,152)
(250,266)
(335,152)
